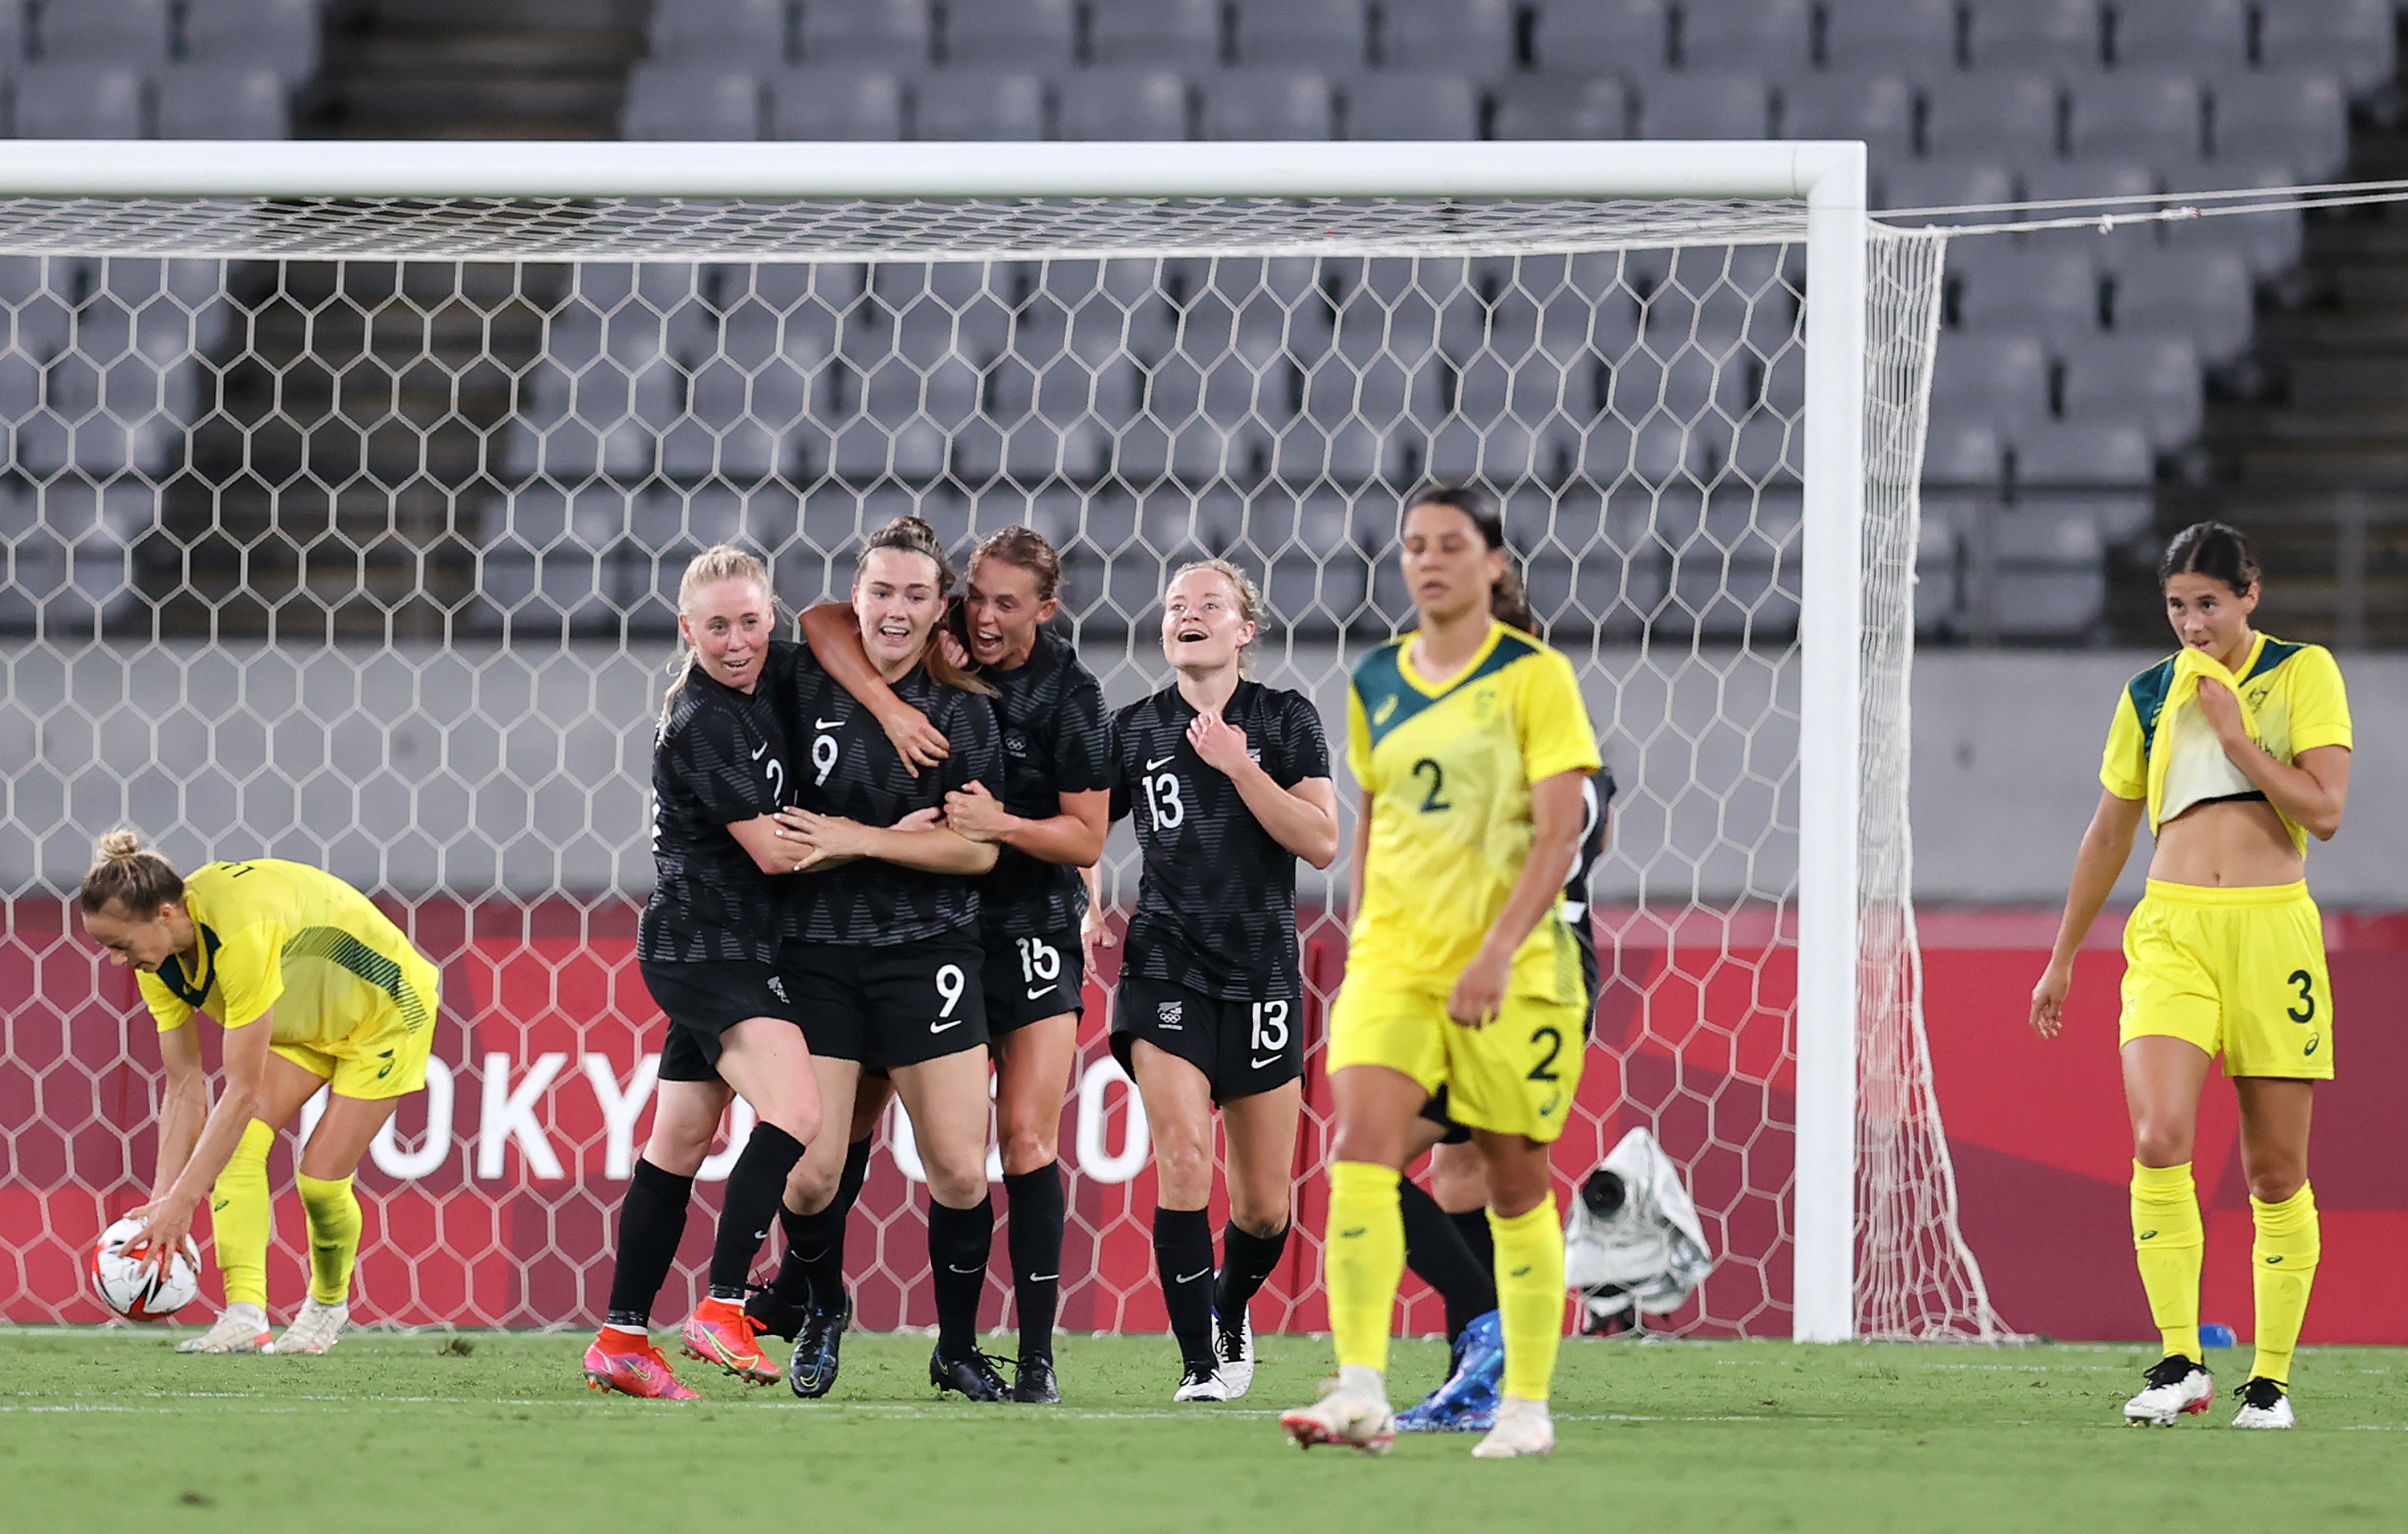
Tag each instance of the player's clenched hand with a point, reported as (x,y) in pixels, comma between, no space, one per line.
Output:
(2221,705)
(1222,744)
(920,743)
(972,812)
(1480,991)
(2048,1001)
(1094,936)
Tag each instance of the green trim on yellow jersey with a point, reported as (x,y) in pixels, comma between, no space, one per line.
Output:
(1392,693)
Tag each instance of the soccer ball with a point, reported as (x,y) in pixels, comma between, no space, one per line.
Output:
(136,1287)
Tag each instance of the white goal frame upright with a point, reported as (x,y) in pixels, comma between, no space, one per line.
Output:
(1829,177)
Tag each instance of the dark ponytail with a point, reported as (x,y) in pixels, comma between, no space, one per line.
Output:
(2213,550)
(914,535)
(1508,601)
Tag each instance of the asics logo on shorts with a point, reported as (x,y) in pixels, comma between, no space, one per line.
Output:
(386,1056)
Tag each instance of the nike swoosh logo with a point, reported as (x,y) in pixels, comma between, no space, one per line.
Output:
(940,1027)
(1190,1278)
(825,724)
(951,1269)
(760,1235)
(1165,762)
(1267,1060)
(1045,991)
(761,751)
(1042,1278)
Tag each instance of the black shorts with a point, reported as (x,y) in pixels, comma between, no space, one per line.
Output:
(1435,1110)
(894,1006)
(705,1000)
(1241,1047)
(1027,979)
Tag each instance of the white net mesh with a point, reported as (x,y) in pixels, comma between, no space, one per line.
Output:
(367,562)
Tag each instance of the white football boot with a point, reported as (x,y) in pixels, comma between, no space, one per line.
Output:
(1522,1427)
(1235,1351)
(2176,1387)
(1356,1415)
(315,1329)
(1201,1384)
(239,1329)
(2263,1404)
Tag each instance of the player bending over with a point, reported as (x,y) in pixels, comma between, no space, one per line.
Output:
(1229,782)
(707,945)
(2237,749)
(885,937)
(1472,744)
(314,987)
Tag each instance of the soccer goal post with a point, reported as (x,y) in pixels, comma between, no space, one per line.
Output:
(347,482)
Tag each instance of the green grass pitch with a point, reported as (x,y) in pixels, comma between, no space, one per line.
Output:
(431,1434)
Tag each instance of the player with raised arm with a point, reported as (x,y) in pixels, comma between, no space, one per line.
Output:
(1047,818)
(314,987)
(882,935)
(2236,749)
(1228,784)
(1471,745)
(707,946)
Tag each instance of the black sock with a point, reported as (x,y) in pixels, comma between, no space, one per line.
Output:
(812,1271)
(958,1244)
(1183,1256)
(746,1208)
(1435,1249)
(1246,1261)
(1034,1237)
(1473,1224)
(651,1220)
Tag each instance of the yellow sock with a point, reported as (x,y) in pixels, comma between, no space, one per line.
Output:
(1362,1260)
(240,1218)
(2169,1239)
(1529,1296)
(333,1236)
(2281,1270)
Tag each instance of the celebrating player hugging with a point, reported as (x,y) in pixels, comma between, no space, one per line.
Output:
(1229,784)
(1472,744)
(314,987)
(2237,750)
(1046,817)
(708,947)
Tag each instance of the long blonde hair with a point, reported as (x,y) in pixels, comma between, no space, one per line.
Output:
(914,535)
(718,563)
(1250,601)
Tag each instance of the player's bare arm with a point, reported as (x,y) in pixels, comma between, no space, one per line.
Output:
(1557,817)
(834,633)
(183,1104)
(1074,838)
(1303,819)
(2106,846)
(244,1065)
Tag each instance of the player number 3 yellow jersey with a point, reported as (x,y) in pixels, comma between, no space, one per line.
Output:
(1449,766)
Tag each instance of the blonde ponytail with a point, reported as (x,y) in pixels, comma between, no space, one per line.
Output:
(139,880)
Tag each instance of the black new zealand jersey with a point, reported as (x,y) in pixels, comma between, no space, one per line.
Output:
(1597,798)
(1216,904)
(718,758)
(1055,741)
(844,764)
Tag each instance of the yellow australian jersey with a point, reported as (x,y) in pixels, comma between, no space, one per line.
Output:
(1449,767)
(2161,748)
(286,936)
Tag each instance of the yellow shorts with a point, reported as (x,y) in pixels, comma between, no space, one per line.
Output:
(1516,1076)
(2236,970)
(388,1060)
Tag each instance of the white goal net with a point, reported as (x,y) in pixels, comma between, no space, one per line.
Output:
(345,530)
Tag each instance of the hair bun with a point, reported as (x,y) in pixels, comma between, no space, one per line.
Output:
(118,845)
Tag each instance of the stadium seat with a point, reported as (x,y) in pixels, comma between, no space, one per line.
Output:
(2267,243)
(1121,103)
(2205,295)
(837,104)
(1411,105)
(2004,116)
(1332,35)
(869,34)
(2304,119)
(2199,36)
(2063,36)
(1476,37)
(1041,34)
(128,34)
(220,101)
(1183,34)
(79,101)
(750,34)
(1961,452)
(1292,104)
(2049,290)
(1877,108)
(279,35)
(1944,183)
(1601,36)
(2152,382)
(1696,104)
(1562,106)
(1917,38)
(2083,453)
(1999,379)
(2352,38)
(681,101)
(2159,115)
(978,104)
(1773,36)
